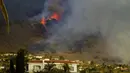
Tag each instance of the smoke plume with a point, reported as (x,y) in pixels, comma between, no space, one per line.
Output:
(109,17)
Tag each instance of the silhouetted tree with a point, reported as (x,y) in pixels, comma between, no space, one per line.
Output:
(66,68)
(20,61)
(49,66)
(12,69)
(26,59)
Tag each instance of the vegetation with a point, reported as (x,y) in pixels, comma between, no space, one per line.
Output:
(20,61)
(12,69)
(50,68)
(92,68)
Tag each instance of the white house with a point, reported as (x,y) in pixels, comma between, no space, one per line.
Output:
(37,65)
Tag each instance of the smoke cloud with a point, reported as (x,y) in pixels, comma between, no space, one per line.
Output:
(109,17)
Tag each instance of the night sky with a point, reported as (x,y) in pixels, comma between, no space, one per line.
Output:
(21,9)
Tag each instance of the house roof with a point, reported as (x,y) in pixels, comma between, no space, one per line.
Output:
(50,61)
(36,61)
(59,61)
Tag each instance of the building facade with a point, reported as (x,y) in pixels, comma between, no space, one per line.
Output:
(38,65)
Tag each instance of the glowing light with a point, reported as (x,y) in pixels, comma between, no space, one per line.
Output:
(55,16)
(43,21)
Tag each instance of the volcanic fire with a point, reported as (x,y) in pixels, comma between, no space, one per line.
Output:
(55,16)
(43,21)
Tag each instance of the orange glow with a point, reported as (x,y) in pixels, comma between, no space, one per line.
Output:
(43,21)
(55,16)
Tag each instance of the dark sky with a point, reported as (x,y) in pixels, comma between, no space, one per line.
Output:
(21,9)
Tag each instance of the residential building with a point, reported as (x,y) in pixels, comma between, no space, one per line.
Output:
(38,65)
